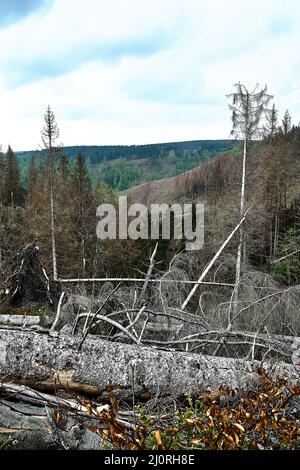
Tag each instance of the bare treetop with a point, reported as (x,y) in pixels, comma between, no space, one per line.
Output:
(50,131)
(247,110)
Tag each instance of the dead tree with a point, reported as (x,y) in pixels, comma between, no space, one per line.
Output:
(50,134)
(27,282)
(51,362)
(247,109)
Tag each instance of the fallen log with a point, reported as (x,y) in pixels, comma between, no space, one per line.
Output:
(19,320)
(29,426)
(51,361)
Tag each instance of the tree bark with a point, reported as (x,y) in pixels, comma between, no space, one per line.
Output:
(19,320)
(29,426)
(48,362)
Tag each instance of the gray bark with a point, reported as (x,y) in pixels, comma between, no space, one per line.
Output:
(28,426)
(19,320)
(46,362)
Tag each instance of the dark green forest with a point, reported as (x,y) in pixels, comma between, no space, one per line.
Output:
(122,167)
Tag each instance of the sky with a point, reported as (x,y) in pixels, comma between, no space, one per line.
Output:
(141,71)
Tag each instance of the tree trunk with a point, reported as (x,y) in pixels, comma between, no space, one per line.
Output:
(25,425)
(238,272)
(49,362)
(54,261)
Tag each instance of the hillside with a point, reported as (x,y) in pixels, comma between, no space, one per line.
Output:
(122,167)
(272,185)
(217,180)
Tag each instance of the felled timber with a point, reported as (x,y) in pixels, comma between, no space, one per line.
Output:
(19,320)
(49,362)
(25,425)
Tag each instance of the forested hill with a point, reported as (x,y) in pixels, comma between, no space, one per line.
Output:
(123,166)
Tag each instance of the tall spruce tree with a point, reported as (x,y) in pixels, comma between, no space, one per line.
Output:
(271,126)
(286,123)
(50,134)
(64,170)
(2,177)
(83,208)
(12,182)
(32,176)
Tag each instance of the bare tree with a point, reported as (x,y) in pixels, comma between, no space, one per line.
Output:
(286,122)
(50,134)
(247,108)
(271,126)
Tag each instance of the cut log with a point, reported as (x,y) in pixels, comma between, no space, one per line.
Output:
(27,426)
(48,362)
(19,320)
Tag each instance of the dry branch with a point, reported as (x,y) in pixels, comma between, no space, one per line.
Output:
(214,259)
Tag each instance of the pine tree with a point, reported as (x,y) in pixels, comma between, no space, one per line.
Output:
(2,176)
(64,170)
(271,126)
(12,183)
(286,123)
(50,134)
(2,179)
(32,176)
(83,209)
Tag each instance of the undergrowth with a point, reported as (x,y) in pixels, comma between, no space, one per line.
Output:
(268,419)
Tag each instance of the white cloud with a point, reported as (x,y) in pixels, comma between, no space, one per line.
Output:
(140,72)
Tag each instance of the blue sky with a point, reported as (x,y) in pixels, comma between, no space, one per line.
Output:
(131,72)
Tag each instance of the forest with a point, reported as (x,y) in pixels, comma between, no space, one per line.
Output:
(139,344)
(124,166)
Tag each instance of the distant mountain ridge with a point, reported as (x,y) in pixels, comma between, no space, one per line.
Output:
(117,151)
(124,166)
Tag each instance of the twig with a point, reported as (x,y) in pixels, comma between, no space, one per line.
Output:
(142,332)
(116,324)
(137,279)
(149,272)
(99,316)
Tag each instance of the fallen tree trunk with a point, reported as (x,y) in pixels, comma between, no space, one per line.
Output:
(19,320)
(30,426)
(48,362)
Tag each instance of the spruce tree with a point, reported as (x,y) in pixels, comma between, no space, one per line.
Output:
(32,176)
(12,183)
(50,134)
(2,233)
(64,170)
(2,177)
(83,211)
(286,123)
(271,126)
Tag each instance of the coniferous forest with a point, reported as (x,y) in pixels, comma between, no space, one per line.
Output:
(133,341)
(57,276)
